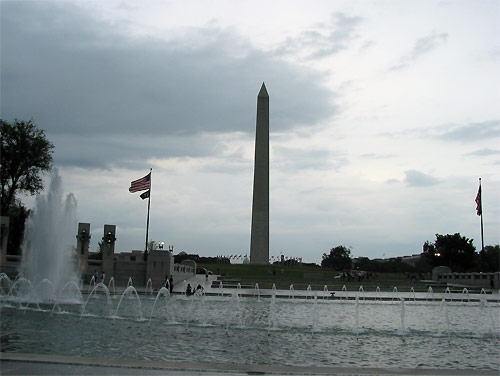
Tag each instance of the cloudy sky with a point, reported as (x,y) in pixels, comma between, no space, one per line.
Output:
(383,115)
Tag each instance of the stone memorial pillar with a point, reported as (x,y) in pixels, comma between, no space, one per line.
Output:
(109,240)
(82,245)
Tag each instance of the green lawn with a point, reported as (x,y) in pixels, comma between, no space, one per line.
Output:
(303,276)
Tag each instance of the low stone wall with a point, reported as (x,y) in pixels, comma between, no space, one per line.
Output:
(482,280)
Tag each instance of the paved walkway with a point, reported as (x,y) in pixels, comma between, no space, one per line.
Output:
(35,364)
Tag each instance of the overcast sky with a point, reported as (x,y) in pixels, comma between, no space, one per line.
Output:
(383,115)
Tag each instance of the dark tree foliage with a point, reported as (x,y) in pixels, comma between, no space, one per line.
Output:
(489,260)
(18,215)
(201,259)
(26,154)
(339,258)
(454,251)
(393,265)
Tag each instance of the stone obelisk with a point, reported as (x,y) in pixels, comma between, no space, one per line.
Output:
(259,242)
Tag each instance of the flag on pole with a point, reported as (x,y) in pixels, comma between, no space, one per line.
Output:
(145,195)
(140,184)
(479,208)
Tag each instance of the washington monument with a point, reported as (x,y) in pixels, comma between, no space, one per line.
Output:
(259,242)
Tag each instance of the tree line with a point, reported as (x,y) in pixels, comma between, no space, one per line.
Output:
(452,250)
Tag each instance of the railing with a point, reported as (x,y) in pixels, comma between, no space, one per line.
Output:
(183,268)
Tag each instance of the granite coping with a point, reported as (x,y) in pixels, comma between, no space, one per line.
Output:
(43,364)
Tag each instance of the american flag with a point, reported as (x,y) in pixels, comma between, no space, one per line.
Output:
(140,184)
(479,208)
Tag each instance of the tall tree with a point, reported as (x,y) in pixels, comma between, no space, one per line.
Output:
(339,258)
(26,154)
(489,259)
(455,251)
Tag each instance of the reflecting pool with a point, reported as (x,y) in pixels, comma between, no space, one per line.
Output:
(253,330)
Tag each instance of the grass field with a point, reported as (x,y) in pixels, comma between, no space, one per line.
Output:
(303,276)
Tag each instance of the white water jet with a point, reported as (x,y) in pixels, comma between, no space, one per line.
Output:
(149,287)
(356,315)
(49,240)
(344,292)
(271,323)
(291,293)
(315,314)
(132,292)
(395,294)
(257,291)
(112,283)
(361,292)
(308,291)
(162,292)
(378,296)
(99,287)
(5,282)
(444,306)
(403,316)
(412,292)
(325,292)
(466,293)
(92,284)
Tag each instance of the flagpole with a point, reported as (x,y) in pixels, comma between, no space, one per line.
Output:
(481,203)
(149,205)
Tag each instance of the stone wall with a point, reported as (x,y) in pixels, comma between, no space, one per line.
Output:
(160,264)
(130,269)
(182,272)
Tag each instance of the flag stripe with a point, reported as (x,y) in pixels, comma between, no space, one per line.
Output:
(479,208)
(140,184)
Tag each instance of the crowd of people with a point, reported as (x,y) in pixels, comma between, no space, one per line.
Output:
(358,275)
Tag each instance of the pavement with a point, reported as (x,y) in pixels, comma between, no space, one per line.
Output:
(37,364)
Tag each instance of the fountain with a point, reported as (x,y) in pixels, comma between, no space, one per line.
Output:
(48,246)
(232,324)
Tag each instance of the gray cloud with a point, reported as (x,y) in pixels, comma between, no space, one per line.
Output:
(85,80)
(376,156)
(325,39)
(484,153)
(299,159)
(392,181)
(472,131)
(419,179)
(422,46)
